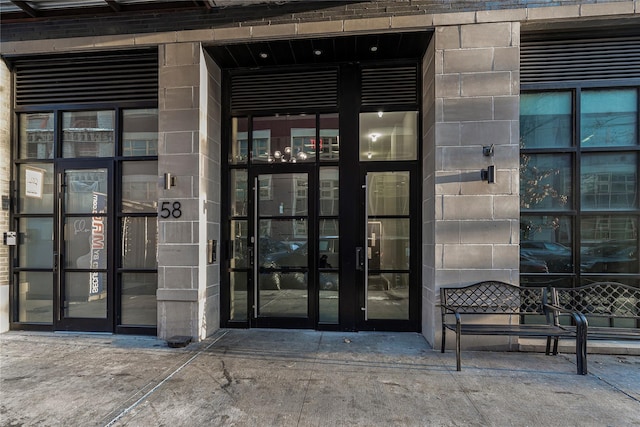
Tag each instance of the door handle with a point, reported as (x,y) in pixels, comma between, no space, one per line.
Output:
(359,258)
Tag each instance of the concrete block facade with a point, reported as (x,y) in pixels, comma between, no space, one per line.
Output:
(5,176)
(470,100)
(471,226)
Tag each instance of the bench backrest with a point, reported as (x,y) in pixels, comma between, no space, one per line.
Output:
(601,299)
(493,297)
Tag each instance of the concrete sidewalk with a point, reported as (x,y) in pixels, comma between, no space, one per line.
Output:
(302,378)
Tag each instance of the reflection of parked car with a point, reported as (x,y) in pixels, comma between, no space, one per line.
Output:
(556,256)
(288,269)
(610,257)
(529,264)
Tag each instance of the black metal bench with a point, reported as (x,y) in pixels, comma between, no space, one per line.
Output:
(611,309)
(509,302)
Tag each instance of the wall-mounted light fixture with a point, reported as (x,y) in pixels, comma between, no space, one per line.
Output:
(169,181)
(489,174)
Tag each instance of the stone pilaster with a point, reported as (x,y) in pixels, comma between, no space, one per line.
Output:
(188,287)
(5,174)
(475,224)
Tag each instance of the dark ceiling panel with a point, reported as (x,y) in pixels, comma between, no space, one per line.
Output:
(366,47)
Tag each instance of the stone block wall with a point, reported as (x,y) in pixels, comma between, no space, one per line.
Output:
(429,313)
(5,174)
(210,147)
(476,224)
(188,150)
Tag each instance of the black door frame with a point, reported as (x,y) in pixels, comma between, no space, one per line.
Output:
(312,287)
(351,291)
(60,321)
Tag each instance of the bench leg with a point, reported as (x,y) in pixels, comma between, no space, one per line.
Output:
(443,339)
(458,333)
(548,348)
(581,346)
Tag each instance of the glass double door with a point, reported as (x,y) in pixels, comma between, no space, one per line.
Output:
(308,271)
(82,254)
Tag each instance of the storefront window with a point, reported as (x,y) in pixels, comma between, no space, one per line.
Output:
(609,181)
(388,136)
(284,139)
(545,120)
(140,186)
(36,188)
(88,134)
(140,132)
(609,118)
(138,300)
(545,181)
(588,228)
(36,136)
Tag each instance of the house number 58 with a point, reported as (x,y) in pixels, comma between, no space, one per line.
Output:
(170,209)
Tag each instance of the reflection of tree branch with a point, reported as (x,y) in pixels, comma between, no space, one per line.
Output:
(535,190)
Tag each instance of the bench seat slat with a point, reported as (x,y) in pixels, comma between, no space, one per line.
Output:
(514,330)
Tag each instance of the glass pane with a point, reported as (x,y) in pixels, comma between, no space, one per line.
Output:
(283,194)
(239,192)
(388,193)
(329,138)
(86,191)
(88,134)
(389,136)
(388,244)
(609,181)
(238,283)
(329,297)
(329,244)
(36,243)
(35,300)
(36,136)
(140,186)
(284,139)
(388,296)
(85,242)
(545,240)
(609,244)
(545,181)
(545,120)
(238,151)
(139,242)
(140,132)
(284,302)
(329,191)
(239,252)
(609,118)
(86,295)
(36,188)
(283,243)
(138,300)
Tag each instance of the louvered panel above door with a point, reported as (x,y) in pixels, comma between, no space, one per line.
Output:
(390,85)
(284,91)
(90,78)
(544,61)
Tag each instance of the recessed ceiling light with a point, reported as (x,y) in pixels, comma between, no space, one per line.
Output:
(373,48)
(264,55)
(317,52)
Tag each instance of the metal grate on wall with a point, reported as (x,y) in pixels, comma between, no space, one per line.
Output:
(584,59)
(389,85)
(284,91)
(109,77)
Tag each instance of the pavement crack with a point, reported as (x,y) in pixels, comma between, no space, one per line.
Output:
(227,376)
